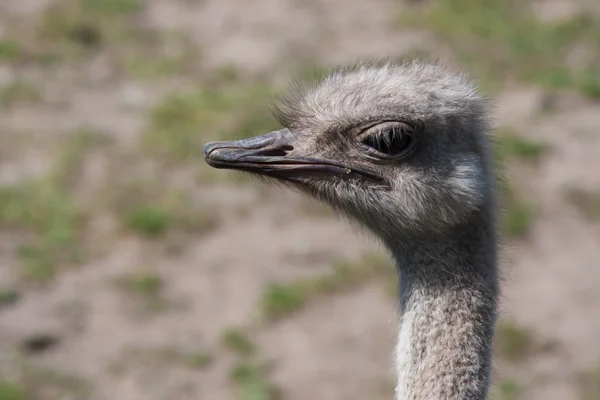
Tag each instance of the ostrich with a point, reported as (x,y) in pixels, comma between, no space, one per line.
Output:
(402,149)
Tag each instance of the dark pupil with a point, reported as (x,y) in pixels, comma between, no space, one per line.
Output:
(389,141)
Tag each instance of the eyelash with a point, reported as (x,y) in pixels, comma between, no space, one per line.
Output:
(389,140)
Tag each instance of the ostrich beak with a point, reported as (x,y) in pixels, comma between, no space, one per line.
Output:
(275,155)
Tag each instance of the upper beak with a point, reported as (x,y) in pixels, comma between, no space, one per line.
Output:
(273,154)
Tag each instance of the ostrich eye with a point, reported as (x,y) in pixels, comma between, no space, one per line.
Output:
(389,140)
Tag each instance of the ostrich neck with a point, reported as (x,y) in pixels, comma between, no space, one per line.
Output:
(448,297)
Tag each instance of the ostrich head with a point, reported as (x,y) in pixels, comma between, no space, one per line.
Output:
(399,147)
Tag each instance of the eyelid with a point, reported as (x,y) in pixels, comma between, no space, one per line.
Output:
(380,157)
(368,130)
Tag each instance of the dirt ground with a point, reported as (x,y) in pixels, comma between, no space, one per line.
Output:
(112,287)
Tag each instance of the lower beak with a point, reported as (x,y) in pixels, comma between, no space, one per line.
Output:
(273,155)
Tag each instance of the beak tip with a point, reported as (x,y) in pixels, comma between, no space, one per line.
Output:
(208,148)
(216,152)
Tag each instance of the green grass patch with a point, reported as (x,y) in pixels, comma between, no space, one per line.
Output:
(41,261)
(148,220)
(282,299)
(77,28)
(153,360)
(505,390)
(18,92)
(45,211)
(251,382)
(153,68)
(501,39)
(143,283)
(588,83)
(201,359)
(586,202)
(40,206)
(511,145)
(227,74)
(589,383)
(145,288)
(72,153)
(517,215)
(10,50)
(238,341)
(176,124)
(149,56)
(181,125)
(73,30)
(66,20)
(513,342)
(249,374)
(152,210)
(8,297)
(111,8)
(518,220)
(10,391)
(40,382)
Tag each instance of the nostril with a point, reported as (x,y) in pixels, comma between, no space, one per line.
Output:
(280,151)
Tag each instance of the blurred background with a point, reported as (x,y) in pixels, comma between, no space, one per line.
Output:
(130,270)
